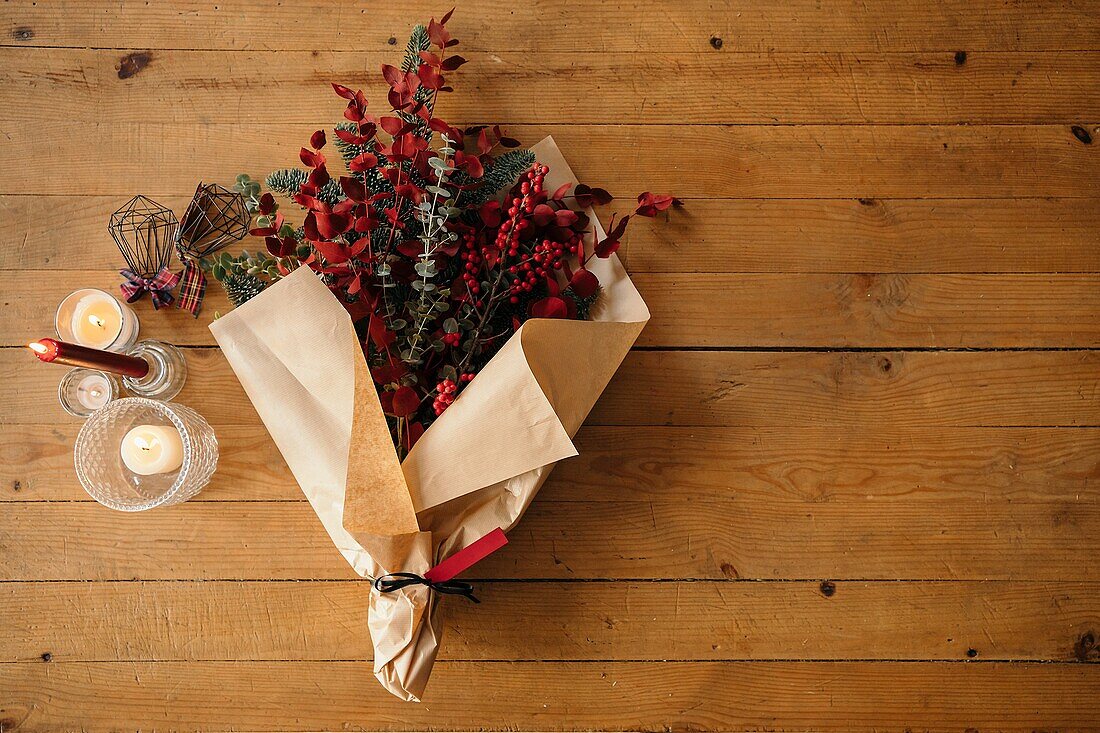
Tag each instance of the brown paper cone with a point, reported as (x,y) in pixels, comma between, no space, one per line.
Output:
(475,469)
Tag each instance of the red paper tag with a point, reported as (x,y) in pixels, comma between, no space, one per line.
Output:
(467,557)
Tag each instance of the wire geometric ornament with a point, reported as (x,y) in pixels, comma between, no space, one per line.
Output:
(145,232)
(215,218)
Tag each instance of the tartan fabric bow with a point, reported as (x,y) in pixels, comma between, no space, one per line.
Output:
(192,286)
(158,287)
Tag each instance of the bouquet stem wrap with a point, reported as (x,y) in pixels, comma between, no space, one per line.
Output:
(476,468)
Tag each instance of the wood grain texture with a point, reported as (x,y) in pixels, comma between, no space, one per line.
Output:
(822,696)
(737,537)
(211,621)
(708,235)
(573,25)
(204,87)
(919,466)
(731,310)
(804,161)
(722,389)
(849,482)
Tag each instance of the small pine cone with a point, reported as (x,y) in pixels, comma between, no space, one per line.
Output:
(242,287)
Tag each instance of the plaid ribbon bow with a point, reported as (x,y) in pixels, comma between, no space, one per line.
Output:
(159,287)
(192,286)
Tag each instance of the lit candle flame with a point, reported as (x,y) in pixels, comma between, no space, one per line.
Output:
(96,321)
(37,347)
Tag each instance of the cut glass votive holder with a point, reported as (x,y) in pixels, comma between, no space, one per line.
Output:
(83,391)
(96,319)
(167,371)
(104,474)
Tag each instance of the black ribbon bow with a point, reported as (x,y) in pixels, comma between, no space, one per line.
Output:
(396,581)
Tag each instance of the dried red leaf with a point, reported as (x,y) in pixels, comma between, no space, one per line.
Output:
(393,75)
(483,144)
(606,247)
(333,252)
(452,62)
(332,225)
(363,162)
(392,125)
(317,140)
(353,188)
(267,204)
(543,215)
(560,191)
(438,35)
(649,204)
(587,196)
(584,283)
(311,158)
(490,213)
(430,77)
(550,307)
(388,373)
(565,217)
(343,91)
(405,401)
(318,177)
(281,246)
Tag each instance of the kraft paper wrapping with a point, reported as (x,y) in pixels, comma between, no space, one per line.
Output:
(477,467)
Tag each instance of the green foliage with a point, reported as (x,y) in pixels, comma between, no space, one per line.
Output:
(289,180)
(250,190)
(242,287)
(418,41)
(505,170)
(584,305)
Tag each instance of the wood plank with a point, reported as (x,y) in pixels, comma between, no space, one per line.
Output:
(731,310)
(555,621)
(780,696)
(866,310)
(708,235)
(724,389)
(806,161)
(203,87)
(818,464)
(737,537)
(571,25)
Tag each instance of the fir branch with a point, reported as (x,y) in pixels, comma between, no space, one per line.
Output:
(506,169)
(289,180)
(418,41)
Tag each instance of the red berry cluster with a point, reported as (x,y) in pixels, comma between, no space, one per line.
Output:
(445,395)
(548,256)
(447,390)
(512,228)
(473,259)
(452,339)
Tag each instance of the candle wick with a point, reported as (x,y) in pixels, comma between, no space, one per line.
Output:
(96,321)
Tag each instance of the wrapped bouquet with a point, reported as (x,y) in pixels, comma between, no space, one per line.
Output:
(424,344)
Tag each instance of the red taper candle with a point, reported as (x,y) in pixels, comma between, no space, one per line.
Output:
(61,352)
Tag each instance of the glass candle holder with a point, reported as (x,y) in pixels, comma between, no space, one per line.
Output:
(167,371)
(105,468)
(83,391)
(96,319)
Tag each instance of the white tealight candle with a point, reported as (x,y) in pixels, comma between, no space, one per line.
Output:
(96,321)
(150,449)
(93,391)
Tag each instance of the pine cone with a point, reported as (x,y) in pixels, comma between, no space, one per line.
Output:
(242,287)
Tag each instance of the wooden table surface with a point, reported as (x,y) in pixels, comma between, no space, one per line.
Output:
(848,480)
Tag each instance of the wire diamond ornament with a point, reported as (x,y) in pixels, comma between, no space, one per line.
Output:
(215,218)
(145,232)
